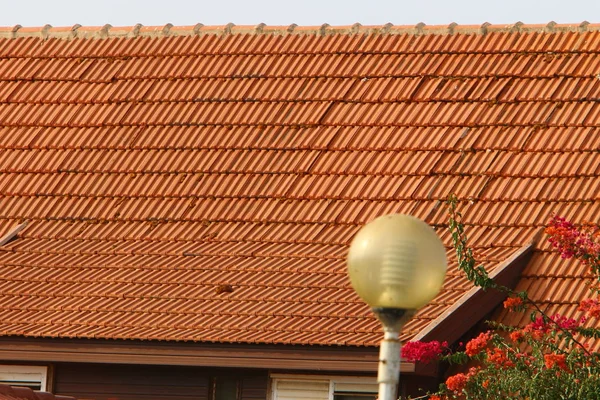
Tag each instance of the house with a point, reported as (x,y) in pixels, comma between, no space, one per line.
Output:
(177,202)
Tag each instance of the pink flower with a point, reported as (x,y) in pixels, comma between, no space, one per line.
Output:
(538,326)
(565,323)
(572,242)
(424,352)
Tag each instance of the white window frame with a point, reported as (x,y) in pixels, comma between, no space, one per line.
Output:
(354,380)
(25,373)
(332,379)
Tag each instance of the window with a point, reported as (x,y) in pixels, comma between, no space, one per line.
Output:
(318,387)
(225,388)
(33,377)
(348,388)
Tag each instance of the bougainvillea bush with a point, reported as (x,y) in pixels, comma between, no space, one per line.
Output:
(549,358)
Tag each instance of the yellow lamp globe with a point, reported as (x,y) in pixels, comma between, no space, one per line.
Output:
(397,261)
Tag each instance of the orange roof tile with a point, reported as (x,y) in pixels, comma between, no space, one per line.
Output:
(203,183)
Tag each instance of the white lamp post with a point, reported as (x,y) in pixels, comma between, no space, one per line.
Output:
(396,264)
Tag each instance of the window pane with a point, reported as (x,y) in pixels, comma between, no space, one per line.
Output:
(30,385)
(226,388)
(31,376)
(355,396)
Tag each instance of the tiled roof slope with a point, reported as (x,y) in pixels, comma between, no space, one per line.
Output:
(203,183)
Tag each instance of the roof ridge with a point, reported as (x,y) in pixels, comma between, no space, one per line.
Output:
(78,31)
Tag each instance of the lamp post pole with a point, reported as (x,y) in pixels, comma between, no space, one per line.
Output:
(388,373)
(396,264)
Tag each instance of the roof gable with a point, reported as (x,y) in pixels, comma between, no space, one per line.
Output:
(203,183)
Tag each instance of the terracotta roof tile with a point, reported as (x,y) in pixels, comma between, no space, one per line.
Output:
(159,165)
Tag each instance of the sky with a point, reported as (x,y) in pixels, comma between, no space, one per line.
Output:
(301,12)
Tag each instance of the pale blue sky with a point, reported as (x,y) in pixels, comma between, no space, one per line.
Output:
(301,12)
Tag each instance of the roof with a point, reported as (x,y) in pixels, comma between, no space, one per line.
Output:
(203,183)
(24,393)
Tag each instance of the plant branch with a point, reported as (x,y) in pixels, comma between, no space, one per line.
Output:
(479,276)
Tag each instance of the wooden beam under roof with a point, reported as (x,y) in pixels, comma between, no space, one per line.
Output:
(264,356)
(475,304)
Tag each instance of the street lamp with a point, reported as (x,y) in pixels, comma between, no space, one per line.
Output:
(396,264)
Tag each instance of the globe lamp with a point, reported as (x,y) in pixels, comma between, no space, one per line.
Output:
(396,264)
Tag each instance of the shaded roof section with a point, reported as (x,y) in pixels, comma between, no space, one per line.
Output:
(203,183)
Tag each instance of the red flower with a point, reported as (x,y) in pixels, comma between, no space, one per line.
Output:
(424,352)
(572,242)
(476,345)
(512,303)
(560,360)
(500,358)
(590,306)
(457,382)
(516,336)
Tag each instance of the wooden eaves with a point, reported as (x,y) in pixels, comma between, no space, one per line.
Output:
(474,305)
(477,303)
(307,358)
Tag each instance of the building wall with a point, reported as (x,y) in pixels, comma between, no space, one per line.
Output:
(148,382)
